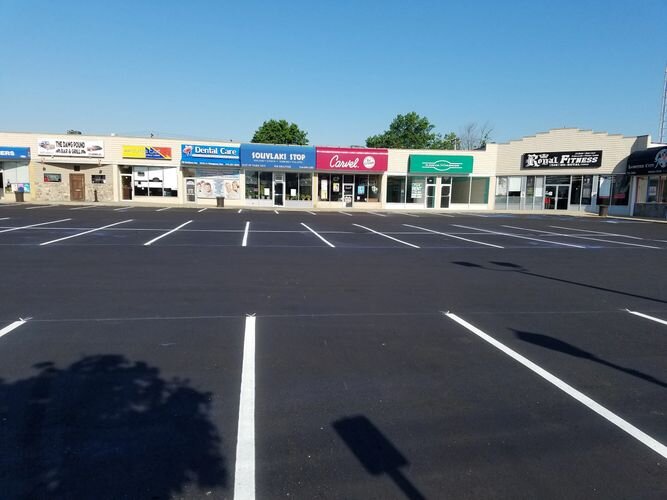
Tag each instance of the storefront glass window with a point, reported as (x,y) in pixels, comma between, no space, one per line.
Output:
(155,181)
(252,185)
(514,193)
(501,192)
(479,190)
(575,191)
(265,185)
(586,189)
(292,186)
(415,190)
(336,190)
(395,189)
(652,191)
(664,190)
(305,187)
(360,187)
(621,190)
(374,183)
(460,190)
(604,189)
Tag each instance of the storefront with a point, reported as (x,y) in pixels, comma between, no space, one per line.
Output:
(211,171)
(648,168)
(14,171)
(349,177)
(72,169)
(278,176)
(148,174)
(438,181)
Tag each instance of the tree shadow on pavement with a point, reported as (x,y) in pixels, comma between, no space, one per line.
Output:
(566,348)
(106,428)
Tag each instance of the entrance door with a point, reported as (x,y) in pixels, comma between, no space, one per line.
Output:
(550,197)
(445,192)
(126,183)
(279,192)
(430,196)
(76,187)
(190,195)
(348,194)
(562,194)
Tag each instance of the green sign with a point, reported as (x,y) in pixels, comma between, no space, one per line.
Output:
(440,164)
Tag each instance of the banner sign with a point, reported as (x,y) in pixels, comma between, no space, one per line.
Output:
(440,164)
(146,152)
(71,147)
(214,182)
(204,154)
(562,159)
(648,161)
(352,159)
(10,153)
(277,156)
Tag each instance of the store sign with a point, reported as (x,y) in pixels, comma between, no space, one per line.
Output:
(146,152)
(648,161)
(352,159)
(204,154)
(440,164)
(562,159)
(277,156)
(71,147)
(10,153)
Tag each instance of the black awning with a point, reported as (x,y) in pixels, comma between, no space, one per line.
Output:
(648,161)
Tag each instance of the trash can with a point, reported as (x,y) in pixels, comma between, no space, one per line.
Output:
(220,201)
(603,210)
(19,195)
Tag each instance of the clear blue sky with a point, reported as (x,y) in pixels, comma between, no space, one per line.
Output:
(341,70)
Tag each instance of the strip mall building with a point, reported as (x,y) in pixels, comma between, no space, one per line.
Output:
(562,169)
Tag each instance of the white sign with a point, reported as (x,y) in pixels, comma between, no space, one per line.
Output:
(70,146)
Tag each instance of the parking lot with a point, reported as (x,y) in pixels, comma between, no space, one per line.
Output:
(206,353)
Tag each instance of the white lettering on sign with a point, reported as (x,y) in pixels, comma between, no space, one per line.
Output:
(335,162)
(7,153)
(269,156)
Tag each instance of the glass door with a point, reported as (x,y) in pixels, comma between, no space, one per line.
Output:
(348,194)
(562,195)
(279,190)
(445,192)
(430,192)
(126,183)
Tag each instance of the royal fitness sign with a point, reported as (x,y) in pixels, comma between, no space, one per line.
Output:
(352,159)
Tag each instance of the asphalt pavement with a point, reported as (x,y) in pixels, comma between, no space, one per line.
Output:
(387,355)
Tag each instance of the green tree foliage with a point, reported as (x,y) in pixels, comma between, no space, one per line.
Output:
(280,132)
(412,131)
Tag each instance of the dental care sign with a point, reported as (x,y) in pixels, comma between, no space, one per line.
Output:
(352,159)
(277,156)
(70,146)
(206,154)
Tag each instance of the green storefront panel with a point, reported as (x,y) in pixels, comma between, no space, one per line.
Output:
(440,164)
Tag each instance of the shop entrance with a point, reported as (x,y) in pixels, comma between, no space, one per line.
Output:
(445,194)
(278,190)
(430,192)
(348,195)
(126,183)
(556,197)
(76,187)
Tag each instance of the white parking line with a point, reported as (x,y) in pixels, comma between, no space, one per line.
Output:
(83,208)
(203,209)
(622,424)
(598,232)
(311,213)
(40,206)
(551,233)
(33,225)
(244,243)
(375,213)
(512,235)
(276,211)
(444,215)
(149,243)
(646,316)
(452,236)
(345,213)
(12,326)
(318,235)
(244,469)
(85,232)
(163,209)
(409,215)
(121,208)
(240,210)
(4,218)
(386,236)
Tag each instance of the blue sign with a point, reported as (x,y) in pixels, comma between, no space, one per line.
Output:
(276,156)
(204,154)
(8,153)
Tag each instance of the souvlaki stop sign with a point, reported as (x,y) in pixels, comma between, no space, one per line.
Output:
(353,160)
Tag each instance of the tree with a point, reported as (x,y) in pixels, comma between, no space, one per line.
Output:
(474,136)
(280,132)
(411,131)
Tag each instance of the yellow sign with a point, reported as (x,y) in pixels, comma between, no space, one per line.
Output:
(146,152)
(134,152)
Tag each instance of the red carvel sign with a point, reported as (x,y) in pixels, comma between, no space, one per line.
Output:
(352,159)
